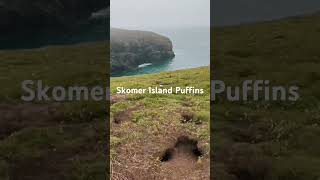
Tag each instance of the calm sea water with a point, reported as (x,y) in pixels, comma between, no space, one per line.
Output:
(191,46)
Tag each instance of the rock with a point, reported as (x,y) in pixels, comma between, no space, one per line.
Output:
(131,48)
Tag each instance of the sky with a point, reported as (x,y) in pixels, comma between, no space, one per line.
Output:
(144,14)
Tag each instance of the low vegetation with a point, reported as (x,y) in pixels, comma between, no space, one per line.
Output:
(251,141)
(53,140)
(268,140)
(161,136)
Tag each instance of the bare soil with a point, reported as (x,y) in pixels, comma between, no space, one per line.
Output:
(170,155)
(55,157)
(181,161)
(124,115)
(187,116)
(118,98)
(14,117)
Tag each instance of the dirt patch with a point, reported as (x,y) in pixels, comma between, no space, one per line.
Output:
(247,155)
(50,167)
(187,104)
(182,158)
(183,161)
(124,115)
(185,147)
(242,161)
(160,83)
(118,98)
(57,160)
(14,117)
(247,162)
(187,116)
(255,133)
(54,159)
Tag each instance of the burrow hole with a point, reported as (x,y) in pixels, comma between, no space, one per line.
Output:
(184,145)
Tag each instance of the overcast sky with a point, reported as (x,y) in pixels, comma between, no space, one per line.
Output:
(144,14)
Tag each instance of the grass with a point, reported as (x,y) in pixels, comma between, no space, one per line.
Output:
(284,134)
(154,121)
(63,65)
(251,140)
(70,141)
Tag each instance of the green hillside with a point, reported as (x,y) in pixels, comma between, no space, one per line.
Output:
(268,140)
(52,140)
(251,140)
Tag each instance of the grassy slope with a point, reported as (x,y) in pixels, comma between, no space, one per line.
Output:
(280,136)
(155,122)
(68,144)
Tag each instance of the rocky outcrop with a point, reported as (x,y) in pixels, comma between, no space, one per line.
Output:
(19,15)
(130,48)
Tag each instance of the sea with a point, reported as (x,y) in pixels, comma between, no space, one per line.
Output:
(191,46)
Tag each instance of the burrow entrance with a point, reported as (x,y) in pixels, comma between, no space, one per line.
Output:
(184,147)
(187,117)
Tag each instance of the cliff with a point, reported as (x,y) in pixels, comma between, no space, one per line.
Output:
(130,48)
(16,15)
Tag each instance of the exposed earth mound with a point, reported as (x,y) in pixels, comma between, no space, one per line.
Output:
(130,48)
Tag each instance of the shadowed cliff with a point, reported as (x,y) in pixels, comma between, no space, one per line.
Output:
(29,24)
(35,14)
(130,48)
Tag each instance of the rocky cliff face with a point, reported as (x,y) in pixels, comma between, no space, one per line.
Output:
(129,49)
(20,15)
